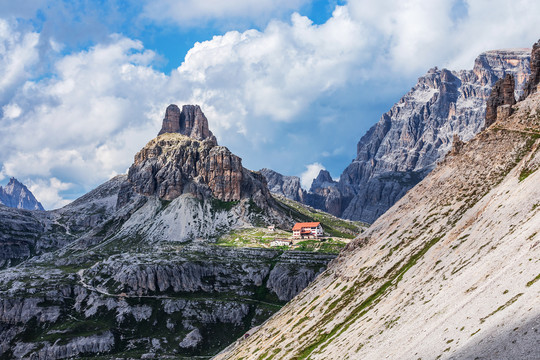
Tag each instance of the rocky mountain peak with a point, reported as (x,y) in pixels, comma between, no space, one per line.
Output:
(288,186)
(324,179)
(191,122)
(534,78)
(16,195)
(185,159)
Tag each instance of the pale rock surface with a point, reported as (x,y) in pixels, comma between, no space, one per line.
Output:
(192,339)
(449,272)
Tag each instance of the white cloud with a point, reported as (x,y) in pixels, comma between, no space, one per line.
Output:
(411,36)
(18,53)
(47,192)
(11,111)
(197,13)
(312,171)
(290,94)
(275,74)
(88,120)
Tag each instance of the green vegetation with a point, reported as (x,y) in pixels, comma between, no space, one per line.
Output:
(326,246)
(220,205)
(331,225)
(251,237)
(530,283)
(262,237)
(505,305)
(525,173)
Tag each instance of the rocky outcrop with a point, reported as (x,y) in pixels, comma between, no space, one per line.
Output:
(190,122)
(185,159)
(324,179)
(284,275)
(457,145)
(534,78)
(95,344)
(288,186)
(192,339)
(502,93)
(197,291)
(173,164)
(407,142)
(16,195)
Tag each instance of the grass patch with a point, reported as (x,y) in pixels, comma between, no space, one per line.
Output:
(220,205)
(530,283)
(331,225)
(502,307)
(525,174)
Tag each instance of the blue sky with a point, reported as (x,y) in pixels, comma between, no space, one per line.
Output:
(290,85)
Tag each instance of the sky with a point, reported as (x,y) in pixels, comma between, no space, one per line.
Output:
(289,85)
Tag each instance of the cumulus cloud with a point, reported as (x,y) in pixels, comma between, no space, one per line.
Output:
(311,172)
(18,54)
(412,35)
(196,13)
(85,123)
(47,192)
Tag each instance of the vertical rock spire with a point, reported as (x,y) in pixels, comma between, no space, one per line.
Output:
(534,78)
(190,122)
(501,94)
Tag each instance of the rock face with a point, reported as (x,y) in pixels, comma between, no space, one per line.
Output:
(16,195)
(534,78)
(449,272)
(501,94)
(404,146)
(190,122)
(173,164)
(185,159)
(288,186)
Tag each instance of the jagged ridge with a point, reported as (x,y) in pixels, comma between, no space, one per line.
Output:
(404,146)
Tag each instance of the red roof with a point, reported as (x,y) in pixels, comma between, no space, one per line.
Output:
(299,226)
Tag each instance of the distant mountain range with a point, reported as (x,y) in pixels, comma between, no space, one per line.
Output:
(16,195)
(408,141)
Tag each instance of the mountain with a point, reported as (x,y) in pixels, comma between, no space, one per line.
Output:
(288,186)
(16,195)
(448,272)
(139,267)
(409,140)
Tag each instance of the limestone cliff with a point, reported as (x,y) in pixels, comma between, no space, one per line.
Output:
(185,159)
(408,141)
(534,78)
(501,94)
